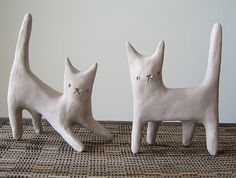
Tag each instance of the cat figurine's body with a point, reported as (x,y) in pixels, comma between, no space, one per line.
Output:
(26,91)
(153,102)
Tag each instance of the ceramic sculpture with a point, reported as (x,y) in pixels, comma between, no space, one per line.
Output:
(153,102)
(27,91)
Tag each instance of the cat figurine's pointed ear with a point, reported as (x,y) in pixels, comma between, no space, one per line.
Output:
(132,53)
(69,68)
(160,50)
(159,53)
(91,72)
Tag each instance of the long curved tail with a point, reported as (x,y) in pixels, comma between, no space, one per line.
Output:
(214,59)
(22,47)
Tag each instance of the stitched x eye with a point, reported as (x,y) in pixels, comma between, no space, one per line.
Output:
(69,85)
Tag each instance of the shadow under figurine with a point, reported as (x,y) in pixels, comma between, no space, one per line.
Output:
(154,102)
(27,91)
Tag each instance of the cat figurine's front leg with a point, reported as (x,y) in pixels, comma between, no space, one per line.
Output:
(91,124)
(152,131)
(70,137)
(136,136)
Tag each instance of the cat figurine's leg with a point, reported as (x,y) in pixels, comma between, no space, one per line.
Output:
(15,116)
(37,123)
(136,138)
(92,125)
(188,128)
(211,126)
(152,131)
(71,138)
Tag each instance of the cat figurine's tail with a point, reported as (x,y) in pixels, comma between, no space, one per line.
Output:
(211,79)
(22,47)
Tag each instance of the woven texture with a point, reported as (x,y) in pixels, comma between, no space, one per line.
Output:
(48,155)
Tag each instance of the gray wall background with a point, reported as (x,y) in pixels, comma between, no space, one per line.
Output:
(89,31)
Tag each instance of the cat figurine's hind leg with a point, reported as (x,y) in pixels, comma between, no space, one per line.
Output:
(15,117)
(37,123)
(212,135)
(152,131)
(188,128)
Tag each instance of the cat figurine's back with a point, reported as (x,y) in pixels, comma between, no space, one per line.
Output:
(153,102)
(61,110)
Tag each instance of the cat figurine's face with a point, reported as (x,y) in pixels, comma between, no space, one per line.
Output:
(145,71)
(77,84)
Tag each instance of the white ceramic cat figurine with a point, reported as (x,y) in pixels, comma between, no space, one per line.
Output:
(153,102)
(27,91)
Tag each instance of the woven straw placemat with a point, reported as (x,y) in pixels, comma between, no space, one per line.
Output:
(48,155)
